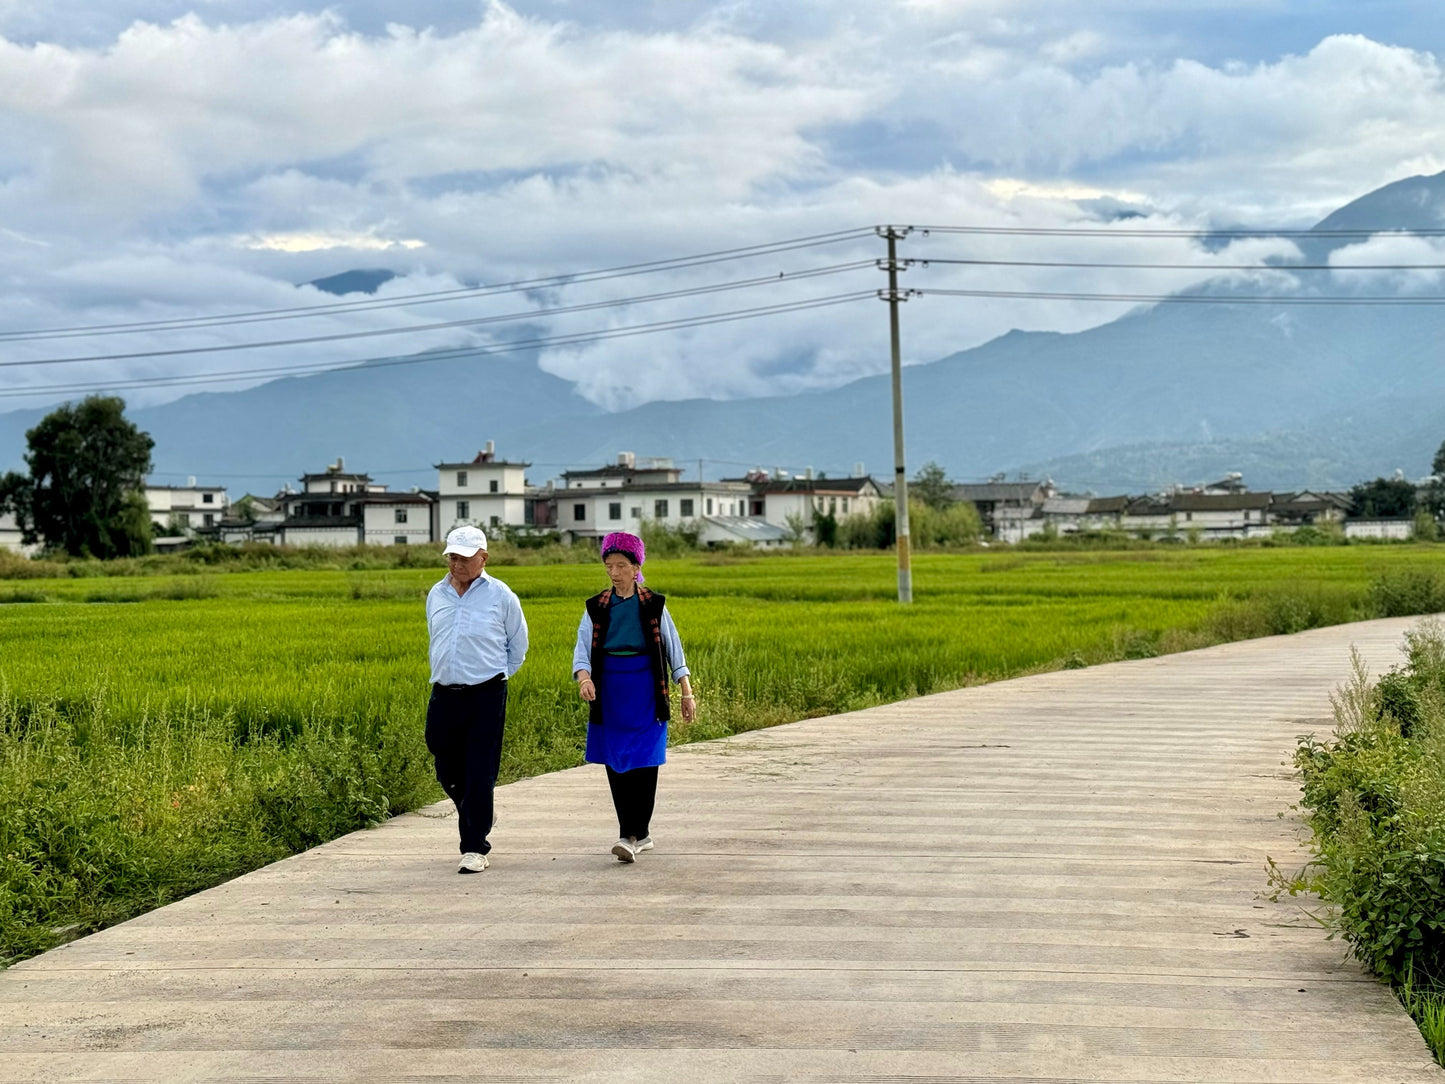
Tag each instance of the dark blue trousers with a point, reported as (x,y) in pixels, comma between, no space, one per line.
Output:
(464,733)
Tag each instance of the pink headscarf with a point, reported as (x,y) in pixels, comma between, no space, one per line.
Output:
(629,545)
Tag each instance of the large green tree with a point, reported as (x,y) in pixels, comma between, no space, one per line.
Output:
(85,493)
(1388,498)
(931,486)
(1432,496)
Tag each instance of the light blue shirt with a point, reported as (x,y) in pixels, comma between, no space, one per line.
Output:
(477,635)
(671,643)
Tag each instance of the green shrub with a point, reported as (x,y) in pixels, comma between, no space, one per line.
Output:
(1375,800)
(1404,592)
(664,541)
(1398,698)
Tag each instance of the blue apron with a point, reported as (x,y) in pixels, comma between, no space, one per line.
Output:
(629,735)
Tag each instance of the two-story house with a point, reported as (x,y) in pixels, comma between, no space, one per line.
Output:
(1010,511)
(622,496)
(485,491)
(180,510)
(785,499)
(337,507)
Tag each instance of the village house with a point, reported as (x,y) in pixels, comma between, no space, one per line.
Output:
(181,510)
(1010,511)
(486,492)
(1223,509)
(1307,507)
(336,507)
(246,515)
(1070,515)
(1211,515)
(783,500)
(621,496)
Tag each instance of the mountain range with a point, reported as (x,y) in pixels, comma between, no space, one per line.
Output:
(1291,395)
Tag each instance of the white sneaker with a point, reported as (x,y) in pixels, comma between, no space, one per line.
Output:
(624,850)
(643,844)
(472,862)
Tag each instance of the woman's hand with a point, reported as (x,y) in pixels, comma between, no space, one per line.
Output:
(585,687)
(689,709)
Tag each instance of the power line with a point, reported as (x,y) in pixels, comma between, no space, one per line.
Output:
(475,321)
(1089,264)
(682,263)
(1151,232)
(675,263)
(576,339)
(571,464)
(1194,299)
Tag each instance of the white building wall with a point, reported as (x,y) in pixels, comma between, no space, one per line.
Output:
(1394,529)
(10,537)
(483,510)
(342,484)
(320,536)
(188,505)
(568,505)
(482,494)
(381,529)
(777,507)
(634,505)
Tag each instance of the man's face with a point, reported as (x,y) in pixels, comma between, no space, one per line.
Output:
(466,569)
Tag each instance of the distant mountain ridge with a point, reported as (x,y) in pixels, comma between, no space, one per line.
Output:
(1318,396)
(354,282)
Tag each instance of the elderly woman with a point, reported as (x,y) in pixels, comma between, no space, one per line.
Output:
(627,650)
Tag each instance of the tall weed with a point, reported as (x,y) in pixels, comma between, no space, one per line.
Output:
(1375,800)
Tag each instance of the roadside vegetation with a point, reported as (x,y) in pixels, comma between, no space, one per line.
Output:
(1374,797)
(161,731)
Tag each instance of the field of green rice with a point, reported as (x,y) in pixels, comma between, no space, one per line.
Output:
(159,734)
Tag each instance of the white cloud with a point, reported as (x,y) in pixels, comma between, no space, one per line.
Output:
(317,242)
(197,166)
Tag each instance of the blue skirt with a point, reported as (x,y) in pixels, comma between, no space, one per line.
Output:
(629,735)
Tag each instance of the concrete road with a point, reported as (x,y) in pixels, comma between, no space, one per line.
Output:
(1056,879)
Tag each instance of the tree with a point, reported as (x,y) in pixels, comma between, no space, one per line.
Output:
(797,529)
(1386,498)
(85,493)
(932,487)
(1432,496)
(825,529)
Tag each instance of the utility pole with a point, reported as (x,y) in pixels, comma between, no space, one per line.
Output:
(892,234)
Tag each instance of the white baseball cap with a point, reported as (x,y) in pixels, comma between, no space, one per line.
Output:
(465,541)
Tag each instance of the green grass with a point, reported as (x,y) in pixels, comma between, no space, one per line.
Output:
(1374,798)
(162,732)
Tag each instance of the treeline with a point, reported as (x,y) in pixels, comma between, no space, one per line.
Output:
(929,527)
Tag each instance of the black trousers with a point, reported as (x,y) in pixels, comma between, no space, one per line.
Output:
(464,733)
(634,794)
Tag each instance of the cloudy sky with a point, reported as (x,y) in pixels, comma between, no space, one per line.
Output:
(168,160)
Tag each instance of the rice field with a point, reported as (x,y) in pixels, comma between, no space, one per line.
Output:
(159,734)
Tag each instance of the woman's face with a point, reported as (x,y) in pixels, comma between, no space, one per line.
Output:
(621,571)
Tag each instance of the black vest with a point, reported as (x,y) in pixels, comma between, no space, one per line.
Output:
(649,606)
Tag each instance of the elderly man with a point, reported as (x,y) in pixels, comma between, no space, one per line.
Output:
(478,641)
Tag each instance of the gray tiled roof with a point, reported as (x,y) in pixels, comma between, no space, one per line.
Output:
(1018,492)
(750,527)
